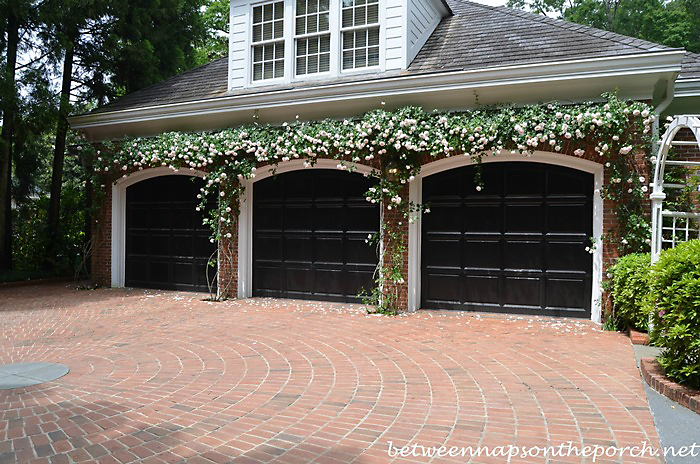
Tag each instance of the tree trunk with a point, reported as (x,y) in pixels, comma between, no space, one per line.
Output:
(8,119)
(59,154)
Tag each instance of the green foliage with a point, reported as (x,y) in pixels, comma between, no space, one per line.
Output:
(215,17)
(673,23)
(675,290)
(629,287)
(395,142)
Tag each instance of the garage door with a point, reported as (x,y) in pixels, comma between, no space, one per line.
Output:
(309,235)
(517,246)
(167,246)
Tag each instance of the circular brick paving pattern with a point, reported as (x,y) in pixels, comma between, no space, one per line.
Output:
(166,377)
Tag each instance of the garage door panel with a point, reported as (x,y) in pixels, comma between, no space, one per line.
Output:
(167,246)
(523,182)
(330,282)
(523,254)
(359,252)
(523,217)
(268,278)
(481,289)
(298,249)
(480,217)
(325,220)
(479,253)
(298,217)
(521,240)
(568,217)
(269,247)
(561,183)
(270,217)
(328,250)
(567,293)
(444,287)
(567,256)
(329,217)
(523,291)
(442,217)
(361,218)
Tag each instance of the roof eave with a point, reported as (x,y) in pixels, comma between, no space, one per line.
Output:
(666,61)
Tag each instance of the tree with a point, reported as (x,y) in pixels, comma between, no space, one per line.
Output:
(674,23)
(215,17)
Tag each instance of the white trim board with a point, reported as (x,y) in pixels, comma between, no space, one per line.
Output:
(245,218)
(416,195)
(118,256)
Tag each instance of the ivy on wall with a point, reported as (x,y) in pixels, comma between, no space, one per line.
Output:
(395,144)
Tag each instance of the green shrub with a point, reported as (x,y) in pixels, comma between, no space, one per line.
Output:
(629,289)
(675,290)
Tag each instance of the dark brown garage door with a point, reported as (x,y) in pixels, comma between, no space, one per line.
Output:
(517,246)
(309,230)
(167,246)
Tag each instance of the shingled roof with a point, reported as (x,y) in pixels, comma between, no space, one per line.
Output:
(475,37)
(690,68)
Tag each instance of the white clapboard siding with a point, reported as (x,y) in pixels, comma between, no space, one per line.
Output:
(423,18)
(238,45)
(394,34)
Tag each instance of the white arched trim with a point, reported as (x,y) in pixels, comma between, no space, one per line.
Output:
(416,195)
(119,214)
(245,218)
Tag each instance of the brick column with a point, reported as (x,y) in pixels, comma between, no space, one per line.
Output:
(394,219)
(101,249)
(228,263)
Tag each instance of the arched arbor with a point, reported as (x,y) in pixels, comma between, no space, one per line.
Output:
(671,227)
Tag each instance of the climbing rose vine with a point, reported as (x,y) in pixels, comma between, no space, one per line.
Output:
(396,144)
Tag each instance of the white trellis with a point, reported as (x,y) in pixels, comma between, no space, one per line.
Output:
(671,227)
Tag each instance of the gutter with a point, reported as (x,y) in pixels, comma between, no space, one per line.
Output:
(620,66)
(688,88)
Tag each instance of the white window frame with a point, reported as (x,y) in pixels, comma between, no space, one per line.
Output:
(382,27)
(284,39)
(330,32)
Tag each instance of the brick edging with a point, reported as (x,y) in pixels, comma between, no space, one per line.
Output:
(637,337)
(654,375)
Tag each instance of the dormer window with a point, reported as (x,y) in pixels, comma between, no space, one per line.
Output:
(360,29)
(313,38)
(304,39)
(268,41)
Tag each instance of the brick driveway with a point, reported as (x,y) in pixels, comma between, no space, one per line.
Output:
(165,377)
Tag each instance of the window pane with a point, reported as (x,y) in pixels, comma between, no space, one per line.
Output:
(257,14)
(279,29)
(279,10)
(313,46)
(257,54)
(268,70)
(323,23)
(360,39)
(323,5)
(325,43)
(301,47)
(360,16)
(347,3)
(268,53)
(373,56)
(313,6)
(301,66)
(267,31)
(361,58)
(257,71)
(257,33)
(311,24)
(347,18)
(279,51)
(372,14)
(324,64)
(301,26)
(279,68)
(347,40)
(268,9)
(347,60)
(301,7)
(373,36)
(313,64)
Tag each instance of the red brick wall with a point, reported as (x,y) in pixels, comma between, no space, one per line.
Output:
(101,257)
